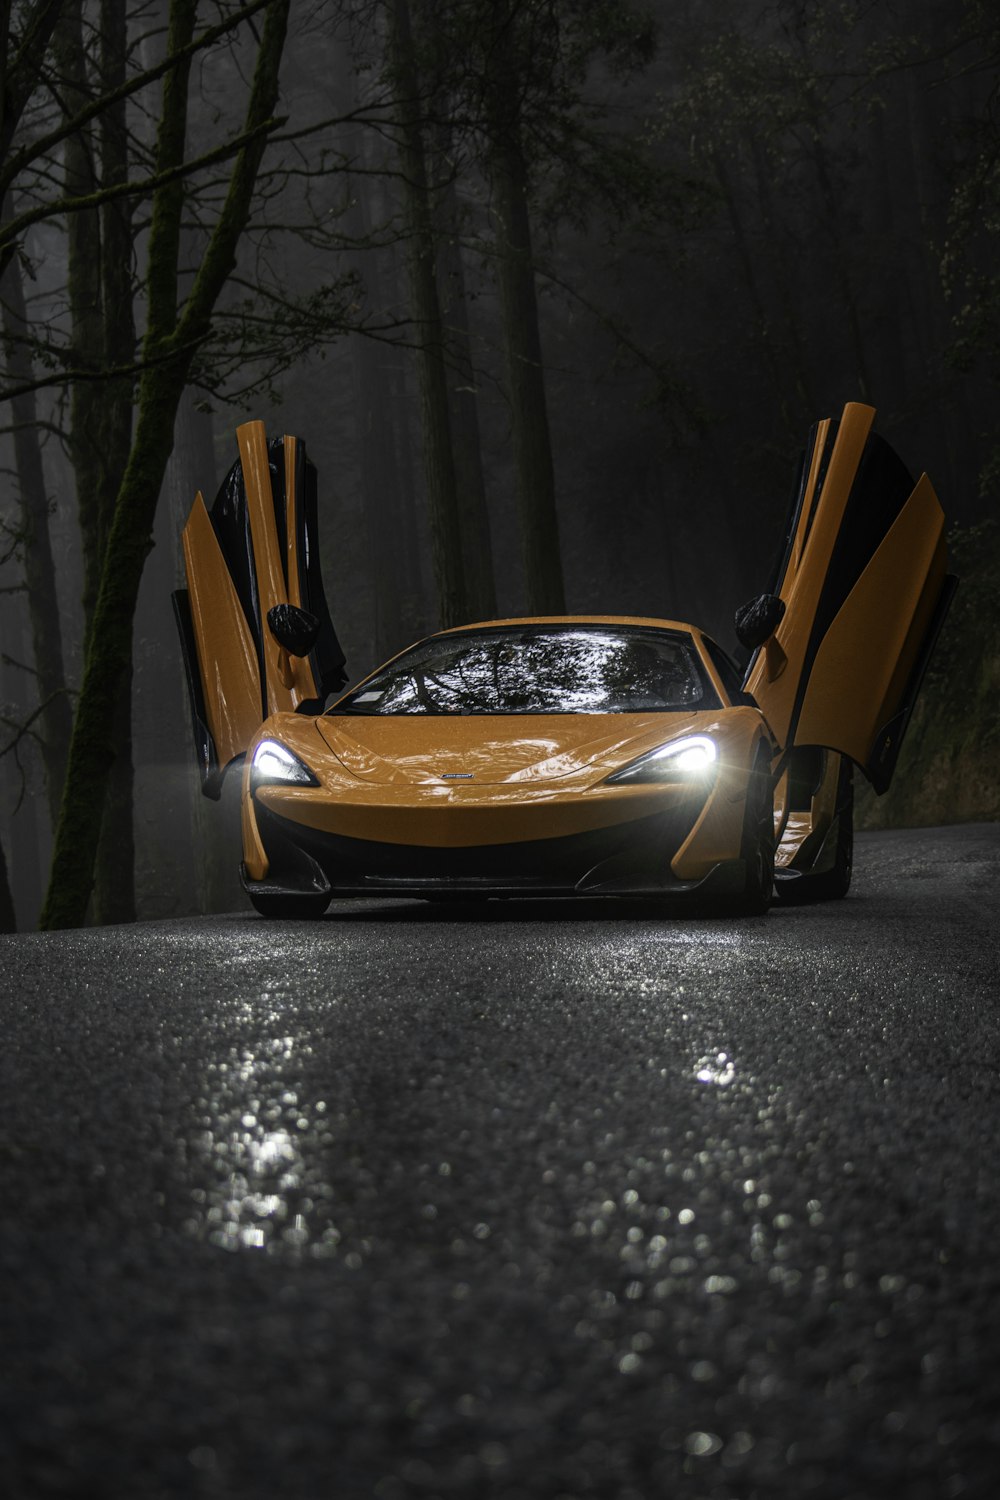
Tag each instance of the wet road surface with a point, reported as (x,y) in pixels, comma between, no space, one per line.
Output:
(514,1201)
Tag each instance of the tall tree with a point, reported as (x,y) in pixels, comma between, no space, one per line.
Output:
(464,384)
(8,921)
(102,337)
(439,460)
(55,720)
(175,328)
(534,476)
(22,53)
(514,77)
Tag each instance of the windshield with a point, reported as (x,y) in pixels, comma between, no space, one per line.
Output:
(533,669)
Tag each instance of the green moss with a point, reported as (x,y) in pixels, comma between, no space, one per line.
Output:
(949,769)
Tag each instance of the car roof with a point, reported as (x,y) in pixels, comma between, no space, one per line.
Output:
(648,620)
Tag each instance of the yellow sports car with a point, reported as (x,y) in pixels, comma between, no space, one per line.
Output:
(592,755)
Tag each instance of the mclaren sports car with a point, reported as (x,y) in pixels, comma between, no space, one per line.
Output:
(571,756)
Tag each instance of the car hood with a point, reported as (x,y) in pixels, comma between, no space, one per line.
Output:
(486,749)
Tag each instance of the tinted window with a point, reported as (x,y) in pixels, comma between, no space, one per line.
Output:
(537,670)
(732,678)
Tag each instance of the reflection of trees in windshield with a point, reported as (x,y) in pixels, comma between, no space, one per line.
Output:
(539,671)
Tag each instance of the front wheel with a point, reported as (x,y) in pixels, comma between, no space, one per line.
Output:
(757,845)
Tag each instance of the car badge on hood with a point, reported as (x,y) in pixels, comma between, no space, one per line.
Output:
(456,775)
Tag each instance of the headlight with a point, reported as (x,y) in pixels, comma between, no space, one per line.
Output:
(690,759)
(273,765)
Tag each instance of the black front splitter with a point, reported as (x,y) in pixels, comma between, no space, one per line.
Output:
(625,859)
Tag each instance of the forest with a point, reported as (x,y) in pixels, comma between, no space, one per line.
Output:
(553,291)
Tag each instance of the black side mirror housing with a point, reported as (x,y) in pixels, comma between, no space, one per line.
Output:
(758,619)
(295,629)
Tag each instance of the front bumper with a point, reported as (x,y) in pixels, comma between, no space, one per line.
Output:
(632,858)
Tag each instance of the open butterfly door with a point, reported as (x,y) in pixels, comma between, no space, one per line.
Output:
(865,587)
(255,550)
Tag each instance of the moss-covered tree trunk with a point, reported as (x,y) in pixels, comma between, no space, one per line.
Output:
(99,261)
(172,336)
(533,471)
(439,462)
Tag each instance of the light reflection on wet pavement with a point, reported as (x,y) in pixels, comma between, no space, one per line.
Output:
(505,1203)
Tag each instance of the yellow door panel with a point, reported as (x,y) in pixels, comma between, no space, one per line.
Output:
(289,681)
(255,549)
(776,677)
(226,653)
(866,656)
(812,487)
(293,506)
(863,581)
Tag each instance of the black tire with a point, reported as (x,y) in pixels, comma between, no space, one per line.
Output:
(301,908)
(832,884)
(757,844)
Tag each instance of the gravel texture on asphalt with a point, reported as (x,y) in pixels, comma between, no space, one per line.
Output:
(511,1200)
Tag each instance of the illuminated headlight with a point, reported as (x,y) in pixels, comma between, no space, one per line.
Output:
(692,758)
(273,765)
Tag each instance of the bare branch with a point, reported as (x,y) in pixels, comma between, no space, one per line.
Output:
(141,189)
(44,143)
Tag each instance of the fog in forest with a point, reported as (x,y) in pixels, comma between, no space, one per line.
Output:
(552,289)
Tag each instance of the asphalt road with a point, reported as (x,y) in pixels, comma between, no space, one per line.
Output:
(514,1201)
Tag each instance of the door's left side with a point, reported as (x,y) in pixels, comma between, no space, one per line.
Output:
(256,548)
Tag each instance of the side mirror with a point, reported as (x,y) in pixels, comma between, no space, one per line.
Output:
(758,619)
(295,629)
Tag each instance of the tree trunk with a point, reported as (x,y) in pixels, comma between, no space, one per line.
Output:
(439,463)
(86,351)
(21,61)
(214,831)
(168,349)
(533,472)
(8,922)
(114,881)
(114,869)
(39,567)
(477,543)
(396,372)
(103,335)
(374,413)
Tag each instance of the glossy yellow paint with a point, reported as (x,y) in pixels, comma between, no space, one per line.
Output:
(809,501)
(443,817)
(236,699)
(254,857)
(289,680)
(869,651)
(841,691)
(292,502)
(227,656)
(523,749)
(548,776)
(775,682)
(718,832)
